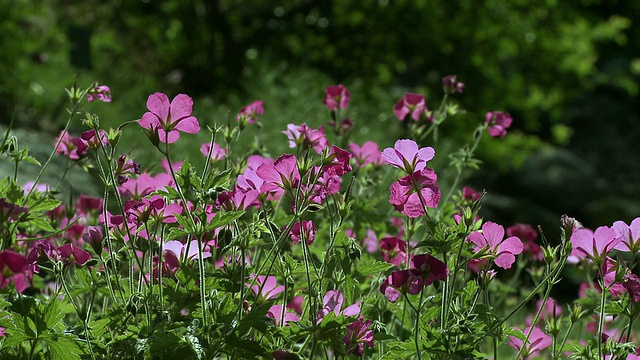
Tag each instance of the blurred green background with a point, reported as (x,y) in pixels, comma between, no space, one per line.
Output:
(567,72)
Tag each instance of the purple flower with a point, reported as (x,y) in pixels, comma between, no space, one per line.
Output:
(302,135)
(14,267)
(70,146)
(406,156)
(411,104)
(630,235)
(401,282)
(498,123)
(217,153)
(169,118)
(394,250)
(10,212)
(336,97)
(275,313)
(338,160)
(179,250)
(72,255)
(492,239)
(429,268)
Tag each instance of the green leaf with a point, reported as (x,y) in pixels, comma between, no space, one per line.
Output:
(223,218)
(43,204)
(63,347)
(372,267)
(37,224)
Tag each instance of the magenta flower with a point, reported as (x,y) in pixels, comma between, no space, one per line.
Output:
(250,112)
(394,250)
(429,268)
(491,240)
(179,250)
(630,235)
(305,231)
(401,282)
(283,173)
(412,193)
(451,85)
(70,146)
(169,118)
(304,136)
(538,340)
(266,287)
(338,160)
(93,141)
(99,92)
(72,255)
(336,97)
(498,123)
(631,282)
(11,212)
(14,267)
(370,242)
(93,237)
(594,246)
(237,199)
(406,156)
(411,104)
(333,300)
(358,335)
(275,313)
(470,195)
(369,153)
(528,235)
(217,153)
(144,185)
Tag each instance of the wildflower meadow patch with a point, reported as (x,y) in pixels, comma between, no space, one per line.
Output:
(334,250)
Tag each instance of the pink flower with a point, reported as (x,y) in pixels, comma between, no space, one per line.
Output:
(169,118)
(370,242)
(406,156)
(305,231)
(498,123)
(217,153)
(451,85)
(72,255)
(179,250)
(491,239)
(14,267)
(10,212)
(630,235)
(250,112)
(538,340)
(237,199)
(266,287)
(594,246)
(401,282)
(99,92)
(369,153)
(275,313)
(358,335)
(412,193)
(333,300)
(470,195)
(93,141)
(394,250)
(429,268)
(283,173)
(70,146)
(413,104)
(304,136)
(338,160)
(336,97)
(528,235)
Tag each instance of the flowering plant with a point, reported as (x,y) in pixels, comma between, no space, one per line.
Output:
(259,257)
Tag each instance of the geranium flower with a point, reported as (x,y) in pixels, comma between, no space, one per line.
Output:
(283,173)
(630,235)
(237,199)
(266,287)
(394,250)
(305,231)
(250,112)
(537,341)
(14,268)
(332,301)
(412,193)
(406,156)
(358,335)
(217,153)
(179,250)
(429,268)
(336,97)
(413,104)
(275,313)
(338,160)
(169,118)
(594,246)
(302,135)
(401,282)
(71,146)
(11,212)
(498,123)
(470,195)
(528,235)
(451,85)
(492,239)
(72,255)
(93,141)
(99,92)
(369,153)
